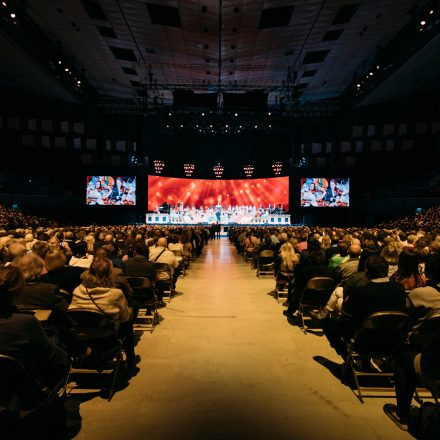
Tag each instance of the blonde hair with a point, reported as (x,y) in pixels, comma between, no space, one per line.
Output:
(54,260)
(99,274)
(391,252)
(288,255)
(31,265)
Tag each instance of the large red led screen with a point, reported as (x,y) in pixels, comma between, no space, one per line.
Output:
(207,193)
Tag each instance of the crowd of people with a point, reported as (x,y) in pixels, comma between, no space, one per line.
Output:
(371,270)
(13,218)
(61,269)
(87,268)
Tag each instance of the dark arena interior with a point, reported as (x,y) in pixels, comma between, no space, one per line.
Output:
(220,219)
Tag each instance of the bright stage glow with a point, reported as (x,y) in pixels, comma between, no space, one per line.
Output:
(208,193)
(111,190)
(325,192)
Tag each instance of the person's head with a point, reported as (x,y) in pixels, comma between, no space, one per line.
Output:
(28,238)
(41,248)
(432,267)
(354,251)
(326,242)
(408,263)
(162,242)
(99,274)
(317,257)
(11,282)
(391,253)
(288,255)
(101,252)
(31,265)
(54,243)
(367,252)
(54,260)
(376,267)
(16,250)
(139,248)
(108,238)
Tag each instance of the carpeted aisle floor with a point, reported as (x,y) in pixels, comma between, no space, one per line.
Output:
(225,364)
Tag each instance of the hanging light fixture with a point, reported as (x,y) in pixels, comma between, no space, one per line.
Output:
(159,165)
(188,168)
(218,170)
(248,170)
(277,168)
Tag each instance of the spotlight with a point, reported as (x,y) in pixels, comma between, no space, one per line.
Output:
(430,12)
(226,125)
(377,67)
(66,69)
(256,126)
(59,61)
(203,114)
(4,4)
(371,73)
(79,82)
(168,126)
(181,125)
(12,15)
(210,125)
(269,114)
(236,114)
(169,114)
(270,126)
(358,85)
(423,22)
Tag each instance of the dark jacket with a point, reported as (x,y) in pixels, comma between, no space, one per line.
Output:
(139,266)
(40,295)
(374,297)
(66,278)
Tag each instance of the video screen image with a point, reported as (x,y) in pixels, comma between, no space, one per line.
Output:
(327,192)
(111,190)
(224,201)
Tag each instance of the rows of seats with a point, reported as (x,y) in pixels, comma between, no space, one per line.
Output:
(375,295)
(71,300)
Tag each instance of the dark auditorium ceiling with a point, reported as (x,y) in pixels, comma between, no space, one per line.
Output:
(113,42)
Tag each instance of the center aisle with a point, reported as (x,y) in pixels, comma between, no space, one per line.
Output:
(225,364)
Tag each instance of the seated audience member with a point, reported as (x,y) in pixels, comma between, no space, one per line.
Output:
(314,268)
(379,294)
(407,272)
(265,245)
(412,368)
(286,260)
(138,265)
(98,291)
(117,273)
(22,337)
(41,248)
(29,241)
(423,301)
(81,256)
(15,250)
(175,247)
(65,277)
(37,294)
(341,256)
(350,265)
(160,254)
(391,253)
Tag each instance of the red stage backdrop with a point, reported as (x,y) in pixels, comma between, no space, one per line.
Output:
(203,192)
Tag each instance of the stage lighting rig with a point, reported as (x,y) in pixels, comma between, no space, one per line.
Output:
(159,165)
(188,168)
(277,168)
(248,170)
(218,170)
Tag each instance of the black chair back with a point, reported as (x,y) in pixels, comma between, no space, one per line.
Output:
(18,388)
(267,253)
(90,325)
(143,289)
(163,271)
(318,291)
(382,333)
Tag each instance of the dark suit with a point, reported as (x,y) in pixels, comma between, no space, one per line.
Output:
(363,301)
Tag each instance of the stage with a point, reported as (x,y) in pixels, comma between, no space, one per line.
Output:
(167,219)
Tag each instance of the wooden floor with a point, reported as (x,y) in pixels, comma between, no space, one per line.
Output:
(225,364)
